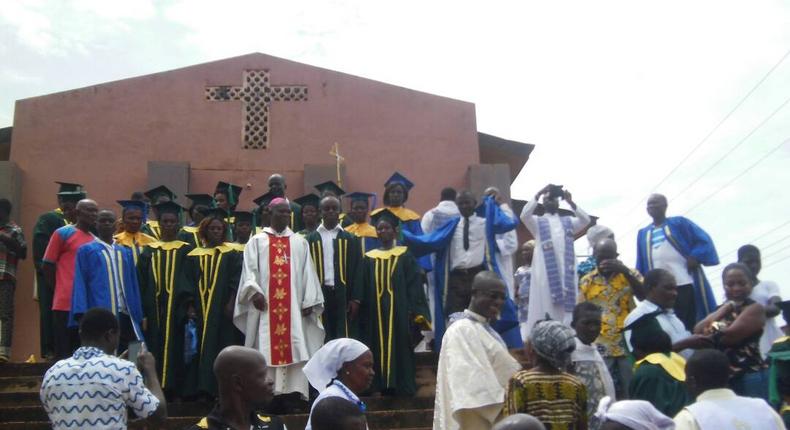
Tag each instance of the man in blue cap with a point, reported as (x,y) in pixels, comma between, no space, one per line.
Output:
(133,216)
(359,227)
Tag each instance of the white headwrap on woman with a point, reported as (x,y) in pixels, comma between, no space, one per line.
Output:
(327,361)
(597,233)
(634,414)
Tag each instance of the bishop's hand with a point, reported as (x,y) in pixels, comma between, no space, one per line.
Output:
(259,301)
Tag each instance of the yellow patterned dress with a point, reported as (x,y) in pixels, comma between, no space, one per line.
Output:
(558,400)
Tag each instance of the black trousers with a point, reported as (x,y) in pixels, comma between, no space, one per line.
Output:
(67,339)
(127,332)
(459,289)
(685,308)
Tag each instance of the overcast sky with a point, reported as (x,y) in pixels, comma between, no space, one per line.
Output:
(614,94)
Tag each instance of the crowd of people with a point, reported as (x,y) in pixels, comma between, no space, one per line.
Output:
(317,304)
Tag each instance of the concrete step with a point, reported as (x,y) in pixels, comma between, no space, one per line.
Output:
(35,412)
(403,419)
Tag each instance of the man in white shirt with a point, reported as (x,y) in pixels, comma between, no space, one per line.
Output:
(765,293)
(554,280)
(467,252)
(717,407)
(337,258)
(681,247)
(443,212)
(472,348)
(661,295)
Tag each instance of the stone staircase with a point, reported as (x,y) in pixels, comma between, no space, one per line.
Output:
(20,407)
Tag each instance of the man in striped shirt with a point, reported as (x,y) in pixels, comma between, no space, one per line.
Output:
(93,388)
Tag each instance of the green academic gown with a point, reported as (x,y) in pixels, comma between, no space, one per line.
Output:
(212,280)
(151,228)
(161,275)
(660,379)
(46,225)
(189,234)
(296,217)
(394,308)
(347,263)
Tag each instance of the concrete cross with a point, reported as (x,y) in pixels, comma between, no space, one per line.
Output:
(256,94)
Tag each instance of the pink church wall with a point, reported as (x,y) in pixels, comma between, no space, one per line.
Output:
(103,136)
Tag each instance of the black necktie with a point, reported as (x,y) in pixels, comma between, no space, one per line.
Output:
(466,233)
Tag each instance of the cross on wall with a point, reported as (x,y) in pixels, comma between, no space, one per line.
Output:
(256,94)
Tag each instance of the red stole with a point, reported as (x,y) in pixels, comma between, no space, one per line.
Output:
(280,300)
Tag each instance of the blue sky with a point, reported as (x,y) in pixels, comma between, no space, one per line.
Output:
(614,94)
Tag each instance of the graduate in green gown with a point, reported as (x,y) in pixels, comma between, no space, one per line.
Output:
(310,216)
(155,196)
(659,374)
(340,274)
(161,275)
(243,222)
(277,187)
(357,221)
(133,217)
(68,196)
(200,204)
(212,277)
(394,309)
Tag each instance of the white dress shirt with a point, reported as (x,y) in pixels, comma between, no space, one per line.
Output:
(669,322)
(461,258)
(327,236)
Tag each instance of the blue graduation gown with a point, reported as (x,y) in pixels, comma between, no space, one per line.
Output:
(689,240)
(438,241)
(99,281)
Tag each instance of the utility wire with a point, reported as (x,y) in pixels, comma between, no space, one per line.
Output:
(762,248)
(738,145)
(759,237)
(738,176)
(716,128)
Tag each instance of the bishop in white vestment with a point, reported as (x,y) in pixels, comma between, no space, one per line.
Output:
(279,302)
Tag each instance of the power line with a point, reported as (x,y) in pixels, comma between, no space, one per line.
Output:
(773,263)
(738,176)
(759,237)
(762,248)
(731,150)
(774,254)
(716,128)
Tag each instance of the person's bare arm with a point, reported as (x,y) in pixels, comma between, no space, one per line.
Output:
(147,365)
(749,322)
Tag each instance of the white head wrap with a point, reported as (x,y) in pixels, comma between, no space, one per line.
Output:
(597,233)
(634,414)
(327,361)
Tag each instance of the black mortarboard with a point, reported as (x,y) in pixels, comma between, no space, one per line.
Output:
(264,199)
(308,200)
(397,178)
(359,196)
(201,199)
(214,212)
(134,204)
(329,187)
(645,326)
(232,191)
(242,216)
(68,187)
(387,215)
(70,192)
(155,193)
(785,307)
(169,207)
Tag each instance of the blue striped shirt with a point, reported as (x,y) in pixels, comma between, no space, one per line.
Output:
(92,390)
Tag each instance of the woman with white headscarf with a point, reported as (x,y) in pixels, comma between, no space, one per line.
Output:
(631,415)
(341,368)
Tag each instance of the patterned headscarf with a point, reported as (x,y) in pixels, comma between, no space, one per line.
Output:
(634,414)
(554,342)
